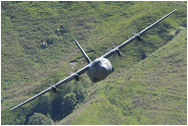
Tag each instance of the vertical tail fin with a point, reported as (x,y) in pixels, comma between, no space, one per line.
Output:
(85,55)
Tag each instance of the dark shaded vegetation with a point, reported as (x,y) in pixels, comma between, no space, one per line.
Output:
(39,119)
(61,104)
(27,65)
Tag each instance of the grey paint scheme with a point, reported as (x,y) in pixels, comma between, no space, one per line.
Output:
(97,70)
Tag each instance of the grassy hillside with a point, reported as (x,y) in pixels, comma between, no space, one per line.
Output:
(27,67)
(154,91)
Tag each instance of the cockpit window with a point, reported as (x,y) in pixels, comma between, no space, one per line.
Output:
(95,63)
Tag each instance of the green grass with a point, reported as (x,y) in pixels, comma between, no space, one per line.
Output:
(152,92)
(98,26)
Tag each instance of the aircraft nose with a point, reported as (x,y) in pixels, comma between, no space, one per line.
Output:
(105,69)
(102,69)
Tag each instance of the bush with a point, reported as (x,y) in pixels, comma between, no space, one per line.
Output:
(177,31)
(39,119)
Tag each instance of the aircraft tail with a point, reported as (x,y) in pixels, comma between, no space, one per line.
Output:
(85,55)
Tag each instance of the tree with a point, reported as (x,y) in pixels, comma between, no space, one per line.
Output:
(39,119)
(80,94)
(69,103)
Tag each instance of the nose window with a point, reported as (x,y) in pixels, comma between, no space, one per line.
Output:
(95,63)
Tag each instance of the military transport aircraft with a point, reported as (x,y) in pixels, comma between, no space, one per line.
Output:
(98,69)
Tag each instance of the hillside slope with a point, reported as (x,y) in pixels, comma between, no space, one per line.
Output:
(28,66)
(153,92)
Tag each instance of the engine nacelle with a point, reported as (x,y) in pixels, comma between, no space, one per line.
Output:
(139,37)
(118,52)
(54,89)
(76,77)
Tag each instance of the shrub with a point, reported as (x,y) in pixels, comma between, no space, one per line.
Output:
(39,119)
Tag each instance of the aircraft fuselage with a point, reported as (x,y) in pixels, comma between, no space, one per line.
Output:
(99,69)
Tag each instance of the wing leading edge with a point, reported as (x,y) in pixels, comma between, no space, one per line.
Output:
(53,88)
(116,50)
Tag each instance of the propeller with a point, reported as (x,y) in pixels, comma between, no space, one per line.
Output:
(139,38)
(116,58)
(54,90)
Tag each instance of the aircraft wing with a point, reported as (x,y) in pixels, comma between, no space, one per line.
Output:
(53,88)
(117,49)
